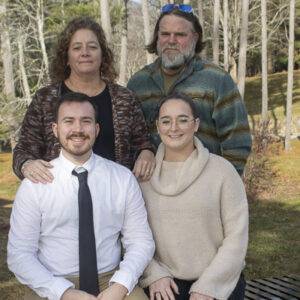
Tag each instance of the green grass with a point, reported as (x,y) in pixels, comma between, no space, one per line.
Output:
(277,86)
(274,238)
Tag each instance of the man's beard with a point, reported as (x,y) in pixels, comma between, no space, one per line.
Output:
(178,59)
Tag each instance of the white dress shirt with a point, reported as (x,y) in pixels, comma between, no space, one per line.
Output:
(43,238)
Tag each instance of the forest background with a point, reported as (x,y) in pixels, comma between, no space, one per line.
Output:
(257,41)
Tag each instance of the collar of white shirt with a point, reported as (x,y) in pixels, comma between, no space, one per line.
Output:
(69,166)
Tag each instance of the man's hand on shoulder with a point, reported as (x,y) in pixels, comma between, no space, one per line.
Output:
(114,292)
(73,294)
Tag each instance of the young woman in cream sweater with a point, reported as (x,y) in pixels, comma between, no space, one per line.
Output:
(198,212)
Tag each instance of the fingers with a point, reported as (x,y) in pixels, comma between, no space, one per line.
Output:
(144,167)
(170,294)
(174,286)
(38,171)
(161,289)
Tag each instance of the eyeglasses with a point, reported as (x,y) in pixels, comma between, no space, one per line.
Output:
(181,122)
(181,7)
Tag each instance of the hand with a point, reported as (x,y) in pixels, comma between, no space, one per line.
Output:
(163,289)
(114,292)
(72,294)
(37,171)
(198,296)
(144,165)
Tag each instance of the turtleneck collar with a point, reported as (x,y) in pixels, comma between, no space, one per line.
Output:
(186,172)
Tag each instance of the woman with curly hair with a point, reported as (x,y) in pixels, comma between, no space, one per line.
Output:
(84,63)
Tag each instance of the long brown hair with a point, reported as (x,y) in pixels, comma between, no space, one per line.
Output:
(152,47)
(60,69)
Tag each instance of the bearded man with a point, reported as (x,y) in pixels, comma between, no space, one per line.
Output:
(177,41)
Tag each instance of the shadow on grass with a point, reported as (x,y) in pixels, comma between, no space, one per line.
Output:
(10,289)
(277,86)
(274,241)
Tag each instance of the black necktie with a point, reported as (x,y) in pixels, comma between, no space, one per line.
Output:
(88,271)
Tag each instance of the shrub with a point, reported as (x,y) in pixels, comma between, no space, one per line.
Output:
(259,174)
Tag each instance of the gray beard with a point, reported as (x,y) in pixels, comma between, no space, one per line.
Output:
(176,61)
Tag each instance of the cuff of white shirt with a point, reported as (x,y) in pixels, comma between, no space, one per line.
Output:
(124,278)
(59,286)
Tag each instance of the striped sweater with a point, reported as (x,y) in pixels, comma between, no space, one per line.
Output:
(224,127)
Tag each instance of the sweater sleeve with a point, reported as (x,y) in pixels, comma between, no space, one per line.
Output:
(31,143)
(154,272)
(221,276)
(140,138)
(231,121)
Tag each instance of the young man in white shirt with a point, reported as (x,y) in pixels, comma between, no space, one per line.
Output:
(43,239)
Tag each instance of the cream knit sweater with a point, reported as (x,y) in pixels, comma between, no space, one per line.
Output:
(198,214)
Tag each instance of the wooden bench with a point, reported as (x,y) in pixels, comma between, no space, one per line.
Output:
(287,287)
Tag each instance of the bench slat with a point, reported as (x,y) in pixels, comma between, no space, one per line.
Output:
(278,287)
(285,284)
(267,289)
(254,296)
(260,294)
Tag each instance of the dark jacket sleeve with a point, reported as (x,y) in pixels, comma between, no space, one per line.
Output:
(31,143)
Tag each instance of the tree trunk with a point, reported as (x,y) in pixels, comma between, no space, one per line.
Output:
(264,62)
(201,19)
(243,47)
(225,35)
(233,68)
(215,39)
(289,97)
(40,25)
(146,28)
(22,69)
(105,20)
(9,86)
(123,56)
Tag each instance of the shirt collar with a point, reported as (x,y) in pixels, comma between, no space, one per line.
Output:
(69,166)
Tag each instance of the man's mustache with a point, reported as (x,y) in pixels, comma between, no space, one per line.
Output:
(77,135)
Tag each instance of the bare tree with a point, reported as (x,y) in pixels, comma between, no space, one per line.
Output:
(225,34)
(243,47)
(215,39)
(146,28)
(201,19)
(289,97)
(9,86)
(123,56)
(105,19)
(7,59)
(22,69)
(264,61)
(40,26)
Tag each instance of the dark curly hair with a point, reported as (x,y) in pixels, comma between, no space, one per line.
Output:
(59,68)
(152,47)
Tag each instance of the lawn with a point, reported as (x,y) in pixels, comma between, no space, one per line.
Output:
(274,244)
(277,101)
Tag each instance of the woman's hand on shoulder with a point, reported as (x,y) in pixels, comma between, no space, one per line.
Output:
(163,289)
(37,171)
(198,296)
(144,165)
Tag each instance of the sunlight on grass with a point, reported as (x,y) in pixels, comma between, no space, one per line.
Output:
(277,100)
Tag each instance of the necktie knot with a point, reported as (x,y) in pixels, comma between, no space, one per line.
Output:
(82,176)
